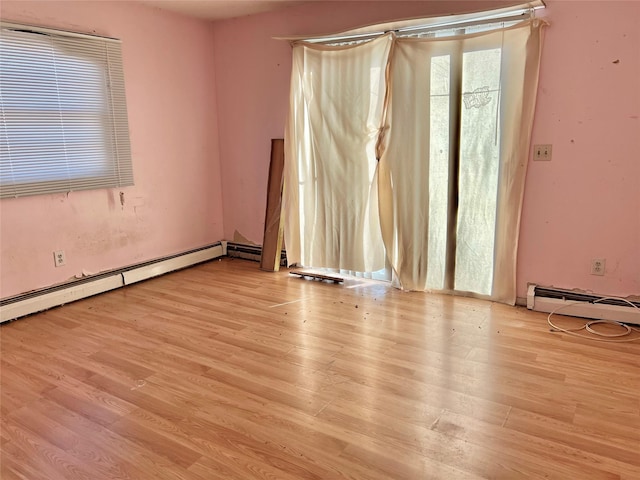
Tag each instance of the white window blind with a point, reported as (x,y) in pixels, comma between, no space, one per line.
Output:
(63,113)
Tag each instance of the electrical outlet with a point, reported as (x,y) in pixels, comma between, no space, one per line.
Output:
(598,266)
(542,152)
(59,258)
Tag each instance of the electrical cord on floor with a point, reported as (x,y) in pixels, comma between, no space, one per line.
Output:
(610,338)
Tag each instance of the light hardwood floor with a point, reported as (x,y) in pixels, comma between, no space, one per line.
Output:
(223,371)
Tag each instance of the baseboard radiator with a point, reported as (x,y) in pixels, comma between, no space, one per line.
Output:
(250,252)
(548,299)
(39,300)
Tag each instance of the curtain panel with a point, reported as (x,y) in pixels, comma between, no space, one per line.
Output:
(493,154)
(330,203)
(372,133)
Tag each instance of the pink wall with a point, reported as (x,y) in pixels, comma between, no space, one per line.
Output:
(585,203)
(582,205)
(176,202)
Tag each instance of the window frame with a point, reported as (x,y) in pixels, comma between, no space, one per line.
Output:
(87,146)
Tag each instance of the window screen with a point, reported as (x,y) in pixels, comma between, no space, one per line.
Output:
(63,114)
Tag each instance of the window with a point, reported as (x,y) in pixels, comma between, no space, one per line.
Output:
(63,114)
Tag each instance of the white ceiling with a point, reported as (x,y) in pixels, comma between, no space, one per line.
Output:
(220,9)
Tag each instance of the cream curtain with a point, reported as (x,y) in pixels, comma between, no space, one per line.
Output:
(330,204)
(468,97)
(497,74)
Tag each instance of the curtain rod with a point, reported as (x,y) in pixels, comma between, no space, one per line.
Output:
(403,32)
(513,13)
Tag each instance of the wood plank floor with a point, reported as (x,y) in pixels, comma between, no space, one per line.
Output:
(223,371)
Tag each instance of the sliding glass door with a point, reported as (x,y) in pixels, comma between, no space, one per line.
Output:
(464,157)
(423,140)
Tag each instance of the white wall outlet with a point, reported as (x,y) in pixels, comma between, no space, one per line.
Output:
(59,258)
(598,266)
(542,152)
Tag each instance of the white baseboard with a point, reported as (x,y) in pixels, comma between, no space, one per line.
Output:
(585,309)
(38,301)
(45,301)
(176,263)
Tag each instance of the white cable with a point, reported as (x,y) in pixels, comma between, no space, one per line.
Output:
(587,325)
(588,328)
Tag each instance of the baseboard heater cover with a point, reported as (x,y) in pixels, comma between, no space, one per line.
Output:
(250,252)
(548,299)
(39,300)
